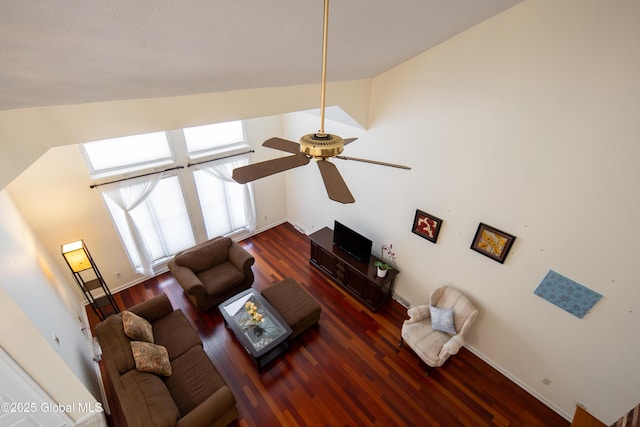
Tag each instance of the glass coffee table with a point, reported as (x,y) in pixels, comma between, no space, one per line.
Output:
(264,335)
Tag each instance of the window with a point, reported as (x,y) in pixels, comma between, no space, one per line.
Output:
(227,207)
(203,140)
(127,153)
(156,213)
(160,218)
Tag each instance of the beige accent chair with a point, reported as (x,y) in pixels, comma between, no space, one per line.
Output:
(433,346)
(213,271)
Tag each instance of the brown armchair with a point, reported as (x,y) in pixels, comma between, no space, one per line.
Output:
(213,271)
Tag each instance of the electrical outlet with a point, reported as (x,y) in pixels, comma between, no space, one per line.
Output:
(546,381)
(118,275)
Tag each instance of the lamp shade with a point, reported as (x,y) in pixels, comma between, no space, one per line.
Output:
(76,255)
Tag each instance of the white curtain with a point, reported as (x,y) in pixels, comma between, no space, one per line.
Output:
(223,169)
(127,195)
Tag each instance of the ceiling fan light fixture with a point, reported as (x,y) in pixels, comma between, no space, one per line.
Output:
(321,145)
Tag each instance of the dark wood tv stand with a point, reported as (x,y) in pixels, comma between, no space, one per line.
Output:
(359,278)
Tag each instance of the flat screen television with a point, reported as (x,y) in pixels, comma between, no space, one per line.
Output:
(351,242)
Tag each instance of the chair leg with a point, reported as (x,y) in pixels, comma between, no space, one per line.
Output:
(401,341)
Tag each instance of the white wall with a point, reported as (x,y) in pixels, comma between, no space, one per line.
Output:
(54,197)
(528,122)
(33,314)
(271,206)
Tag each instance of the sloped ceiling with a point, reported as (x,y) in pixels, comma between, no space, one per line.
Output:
(76,51)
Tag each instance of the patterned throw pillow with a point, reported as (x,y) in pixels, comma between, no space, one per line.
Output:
(136,328)
(151,358)
(442,320)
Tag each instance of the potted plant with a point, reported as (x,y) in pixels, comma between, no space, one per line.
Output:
(383,267)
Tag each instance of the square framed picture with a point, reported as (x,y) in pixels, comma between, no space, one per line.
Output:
(427,226)
(491,242)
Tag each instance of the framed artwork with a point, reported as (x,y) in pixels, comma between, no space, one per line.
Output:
(491,242)
(427,226)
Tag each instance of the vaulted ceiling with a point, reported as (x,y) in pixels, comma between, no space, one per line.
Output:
(76,51)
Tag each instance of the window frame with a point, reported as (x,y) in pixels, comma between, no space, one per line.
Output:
(122,171)
(176,140)
(220,150)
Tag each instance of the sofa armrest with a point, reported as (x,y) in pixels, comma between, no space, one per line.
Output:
(239,257)
(154,308)
(418,313)
(218,409)
(186,278)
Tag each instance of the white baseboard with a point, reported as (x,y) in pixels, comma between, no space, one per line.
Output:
(266,227)
(298,227)
(403,302)
(521,384)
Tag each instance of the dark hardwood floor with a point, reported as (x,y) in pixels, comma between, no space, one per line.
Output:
(348,370)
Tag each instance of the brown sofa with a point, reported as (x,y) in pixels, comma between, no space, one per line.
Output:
(213,271)
(194,394)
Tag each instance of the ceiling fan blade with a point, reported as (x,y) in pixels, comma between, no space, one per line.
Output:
(375,162)
(337,189)
(348,140)
(282,145)
(259,170)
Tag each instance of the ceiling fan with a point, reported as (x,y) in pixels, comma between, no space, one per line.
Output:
(320,146)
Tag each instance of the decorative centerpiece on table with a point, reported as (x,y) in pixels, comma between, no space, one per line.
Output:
(255,320)
(383,267)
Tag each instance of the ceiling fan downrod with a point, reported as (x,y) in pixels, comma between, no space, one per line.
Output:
(322,145)
(323,87)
